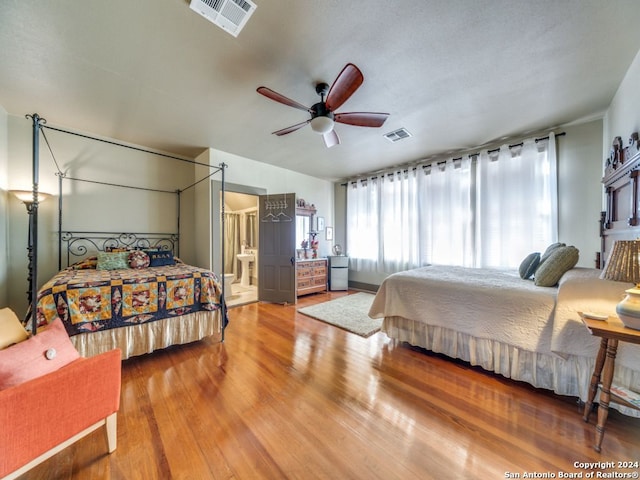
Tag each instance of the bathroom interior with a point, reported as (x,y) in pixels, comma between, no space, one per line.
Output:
(241,248)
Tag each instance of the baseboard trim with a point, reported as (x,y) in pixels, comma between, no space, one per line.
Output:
(364,287)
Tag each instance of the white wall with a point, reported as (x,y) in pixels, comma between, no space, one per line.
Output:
(4,208)
(247,172)
(623,115)
(580,189)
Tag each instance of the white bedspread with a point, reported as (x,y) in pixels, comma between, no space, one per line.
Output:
(504,324)
(499,305)
(489,304)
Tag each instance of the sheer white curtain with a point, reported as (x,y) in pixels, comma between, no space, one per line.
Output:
(516,202)
(446,220)
(384,226)
(491,211)
(406,219)
(399,242)
(363,220)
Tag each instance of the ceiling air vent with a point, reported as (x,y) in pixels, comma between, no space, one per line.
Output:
(230,15)
(397,135)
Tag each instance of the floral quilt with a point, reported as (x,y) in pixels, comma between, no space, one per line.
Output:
(88,299)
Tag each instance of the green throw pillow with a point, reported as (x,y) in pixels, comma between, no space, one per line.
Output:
(561,260)
(112,260)
(529,265)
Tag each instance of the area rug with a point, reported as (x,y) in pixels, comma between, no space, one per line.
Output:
(349,313)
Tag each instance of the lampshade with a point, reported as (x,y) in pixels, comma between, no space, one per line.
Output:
(624,266)
(322,124)
(26,196)
(624,262)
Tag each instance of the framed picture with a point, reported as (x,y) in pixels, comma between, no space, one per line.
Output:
(319,224)
(328,233)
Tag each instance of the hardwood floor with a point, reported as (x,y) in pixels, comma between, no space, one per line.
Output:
(287,396)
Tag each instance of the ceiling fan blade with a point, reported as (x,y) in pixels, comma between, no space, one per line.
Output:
(267,92)
(331,138)
(361,119)
(290,129)
(348,81)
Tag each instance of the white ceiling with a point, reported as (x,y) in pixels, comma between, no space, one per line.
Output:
(456,73)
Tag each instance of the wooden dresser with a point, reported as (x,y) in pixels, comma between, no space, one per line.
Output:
(311,276)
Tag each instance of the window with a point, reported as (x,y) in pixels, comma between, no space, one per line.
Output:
(489,210)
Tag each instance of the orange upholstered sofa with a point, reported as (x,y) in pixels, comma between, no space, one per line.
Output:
(42,416)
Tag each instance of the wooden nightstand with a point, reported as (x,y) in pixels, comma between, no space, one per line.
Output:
(611,331)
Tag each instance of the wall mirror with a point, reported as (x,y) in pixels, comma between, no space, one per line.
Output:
(303,228)
(304,221)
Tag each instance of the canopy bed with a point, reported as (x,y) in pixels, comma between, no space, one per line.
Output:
(514,326)
(125,290)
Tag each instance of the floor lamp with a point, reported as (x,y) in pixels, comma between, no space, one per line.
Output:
(27,197)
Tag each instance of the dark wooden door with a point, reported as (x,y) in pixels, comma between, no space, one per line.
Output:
(276,258)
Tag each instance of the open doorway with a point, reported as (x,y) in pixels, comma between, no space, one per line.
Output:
(232,279)
(241,248)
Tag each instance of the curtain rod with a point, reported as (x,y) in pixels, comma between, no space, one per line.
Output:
(518,144)
(140,149)
(460,158)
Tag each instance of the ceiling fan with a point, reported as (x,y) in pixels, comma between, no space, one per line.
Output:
(323,113)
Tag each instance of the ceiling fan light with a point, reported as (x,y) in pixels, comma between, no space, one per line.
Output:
(322,125)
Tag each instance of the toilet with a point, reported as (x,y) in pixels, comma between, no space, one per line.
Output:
(228,280)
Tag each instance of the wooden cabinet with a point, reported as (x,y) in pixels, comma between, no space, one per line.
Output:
(311,276)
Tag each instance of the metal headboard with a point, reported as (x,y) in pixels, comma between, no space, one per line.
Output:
(76,246)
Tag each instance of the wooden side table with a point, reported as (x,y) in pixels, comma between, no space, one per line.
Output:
(611,331)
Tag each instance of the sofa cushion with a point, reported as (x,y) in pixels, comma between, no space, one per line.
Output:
(11,330)
(39,355)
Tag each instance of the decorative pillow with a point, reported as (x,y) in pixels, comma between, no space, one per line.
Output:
(561,260)
(160,258)
(11,330)
(87,263)
(112,260)
(39,355)
(138,259)
(550,250)
(529,265)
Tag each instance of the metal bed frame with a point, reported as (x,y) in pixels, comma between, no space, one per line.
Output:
(78,244)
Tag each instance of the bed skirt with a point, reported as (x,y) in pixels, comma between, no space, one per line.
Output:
(565,376)
(144,338)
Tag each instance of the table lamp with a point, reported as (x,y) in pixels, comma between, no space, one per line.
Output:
(624,266)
